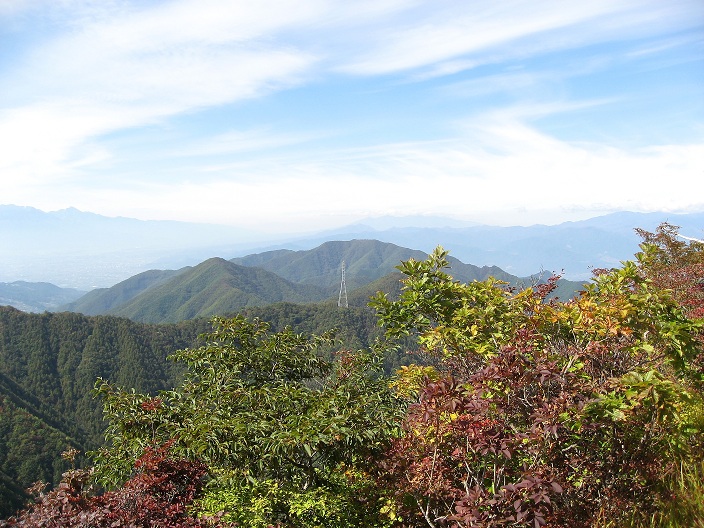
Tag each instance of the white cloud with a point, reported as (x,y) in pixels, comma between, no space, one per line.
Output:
(241,141)
(455,36)
(498,165)
(138,68)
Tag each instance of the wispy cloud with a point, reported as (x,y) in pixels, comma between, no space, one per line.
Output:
(452,37)
(138,67)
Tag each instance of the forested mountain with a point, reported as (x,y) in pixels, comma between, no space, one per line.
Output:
(49,364)
(213,287)
(365,262)
(217,286)
(103,300)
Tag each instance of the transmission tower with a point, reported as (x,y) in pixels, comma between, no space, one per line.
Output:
(342,299)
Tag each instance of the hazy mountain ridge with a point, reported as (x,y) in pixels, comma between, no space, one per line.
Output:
(220,287)
(75,249)
(569,248)
(214,287)
(36,296)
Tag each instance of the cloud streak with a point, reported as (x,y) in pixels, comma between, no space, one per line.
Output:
(496,31)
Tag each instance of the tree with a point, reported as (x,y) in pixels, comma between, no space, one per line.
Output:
(565,414)
(158,494)
(287,435)
(675,265)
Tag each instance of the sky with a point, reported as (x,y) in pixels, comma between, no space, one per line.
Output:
(300,115)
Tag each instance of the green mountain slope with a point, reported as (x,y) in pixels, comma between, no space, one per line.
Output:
(389,284)
(370,266)
(48,366)
(215,286)
(30,449)
(365,262)
(103,300)
(220,287)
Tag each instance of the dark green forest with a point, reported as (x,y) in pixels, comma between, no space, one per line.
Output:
(49,364)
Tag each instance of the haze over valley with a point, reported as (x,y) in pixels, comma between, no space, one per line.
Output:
(83,251)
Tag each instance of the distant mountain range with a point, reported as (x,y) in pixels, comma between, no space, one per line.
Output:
(570,248)
(36,296)
(75,249)
(220,287)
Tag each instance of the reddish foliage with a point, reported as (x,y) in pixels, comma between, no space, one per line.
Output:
(489,451)
(678,266)
(153,404)
(158,495)
(497,449)
(675,265)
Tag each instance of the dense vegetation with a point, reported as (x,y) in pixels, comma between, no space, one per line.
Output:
(49,364)
(529,412)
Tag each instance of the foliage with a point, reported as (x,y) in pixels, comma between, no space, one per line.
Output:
(49,363)
(675,265)
(548,413)
(48,366)
(281,428)
(28,448)
(159,494)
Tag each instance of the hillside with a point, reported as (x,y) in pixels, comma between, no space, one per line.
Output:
(49,364)
(365,262)
(103,300)
(214,287)
(217,286)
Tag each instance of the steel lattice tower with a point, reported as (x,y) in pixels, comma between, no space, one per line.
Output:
(342,299)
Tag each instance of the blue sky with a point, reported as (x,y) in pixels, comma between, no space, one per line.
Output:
(295,115)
